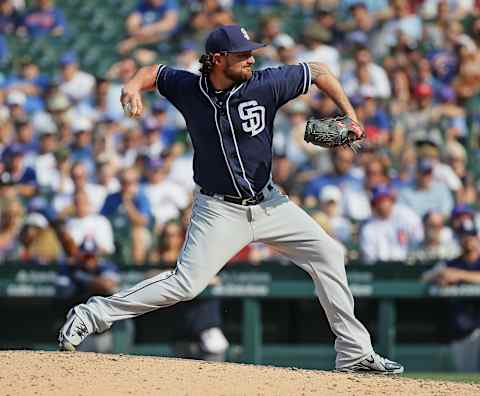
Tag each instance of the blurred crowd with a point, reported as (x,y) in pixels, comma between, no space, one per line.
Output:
(71,161)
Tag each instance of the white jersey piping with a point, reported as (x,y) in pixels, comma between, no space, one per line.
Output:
(220,136)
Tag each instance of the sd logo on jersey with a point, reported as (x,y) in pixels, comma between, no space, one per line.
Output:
(254,116)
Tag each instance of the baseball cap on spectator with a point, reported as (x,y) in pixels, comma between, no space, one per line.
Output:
(155,163)
(81,124)
(58,102)
(358,4)
(107,118)
(43,124)
(150,124)
(423,90)
(12,151)
(61,154)
(455,150)
(188,46)
(36,220)
(283,40)
(381,191)
(316,32)
(462,209)
(358,37)
(330,194)
(446,94)
(467,228)
(68,58)
(159,106)
(230,38)
(16,98)
(428,147)
(425,166)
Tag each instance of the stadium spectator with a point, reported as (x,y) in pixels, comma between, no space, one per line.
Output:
(362,28)
(85,224)
(364,73)
(62,202)
(15,102)
(81,147)
(29,81)
(166,198)
(25,140)
(402,22)
(429,150)
(90,274)
(329,215)
(59,180)
(156,139)
(345,176)
(375,120)
(283,172)
(316,39)
(105,175)
(39,243)
(438,244)
(151,22)
(426,194)
(11,219)
(4,52)
(393,230)
(198,331)
(10,18)
(46,132)
(77,84)
(287,50)
(456,158)
(130,215)
(44,18)
(24,177)
(464,314)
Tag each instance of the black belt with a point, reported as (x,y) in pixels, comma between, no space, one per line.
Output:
(255,200)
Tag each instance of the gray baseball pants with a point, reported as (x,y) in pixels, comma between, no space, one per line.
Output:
(217,231)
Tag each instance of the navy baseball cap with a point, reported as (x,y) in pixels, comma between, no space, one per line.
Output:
(382,191)
(425,165)
(230,38)
(462,209)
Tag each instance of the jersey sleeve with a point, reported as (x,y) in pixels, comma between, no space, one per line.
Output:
(173,84)
(289,81)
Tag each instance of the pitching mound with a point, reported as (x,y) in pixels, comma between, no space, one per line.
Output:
(61,373)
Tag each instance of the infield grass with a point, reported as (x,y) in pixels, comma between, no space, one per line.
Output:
(472,378)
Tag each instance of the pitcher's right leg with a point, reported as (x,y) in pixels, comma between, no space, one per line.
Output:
(206,250)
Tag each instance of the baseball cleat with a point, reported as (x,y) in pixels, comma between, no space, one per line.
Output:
(73,332)
(374,364)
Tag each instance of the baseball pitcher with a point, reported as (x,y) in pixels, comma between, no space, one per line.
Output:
(229,111)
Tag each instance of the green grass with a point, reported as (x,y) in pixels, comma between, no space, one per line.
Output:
(457,377)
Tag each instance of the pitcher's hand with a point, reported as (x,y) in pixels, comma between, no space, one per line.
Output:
(131,102)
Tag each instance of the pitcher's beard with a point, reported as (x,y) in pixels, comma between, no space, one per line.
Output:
(238,77)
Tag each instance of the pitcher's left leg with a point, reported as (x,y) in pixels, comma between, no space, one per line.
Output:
(293,232)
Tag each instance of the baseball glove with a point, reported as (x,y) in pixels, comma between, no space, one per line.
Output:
(334,132)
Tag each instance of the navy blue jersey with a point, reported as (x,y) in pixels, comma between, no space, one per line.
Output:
(232,131)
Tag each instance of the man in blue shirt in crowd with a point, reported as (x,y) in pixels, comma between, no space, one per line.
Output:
(151,22)
(130,214)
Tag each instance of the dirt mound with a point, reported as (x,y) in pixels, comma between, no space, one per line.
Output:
(61,373)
